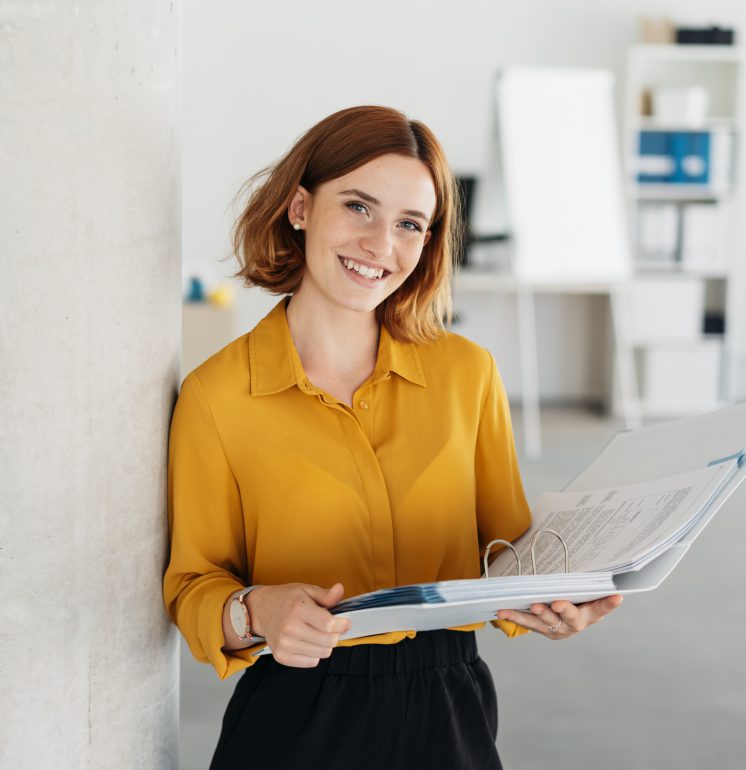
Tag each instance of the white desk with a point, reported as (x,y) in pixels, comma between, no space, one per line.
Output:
(471,281)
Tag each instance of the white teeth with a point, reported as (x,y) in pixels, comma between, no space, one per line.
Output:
(366,272)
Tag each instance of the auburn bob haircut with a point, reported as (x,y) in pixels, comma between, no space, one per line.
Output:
(271,253)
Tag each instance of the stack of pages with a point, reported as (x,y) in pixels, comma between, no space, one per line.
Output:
(494,588)
(620,529)
(619,539)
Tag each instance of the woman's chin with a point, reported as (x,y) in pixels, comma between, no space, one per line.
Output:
(358,302)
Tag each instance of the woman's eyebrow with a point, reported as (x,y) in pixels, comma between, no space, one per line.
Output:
(375,202)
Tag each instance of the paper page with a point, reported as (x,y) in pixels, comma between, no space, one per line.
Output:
(615,528)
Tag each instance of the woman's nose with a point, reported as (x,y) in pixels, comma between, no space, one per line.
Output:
(378,240)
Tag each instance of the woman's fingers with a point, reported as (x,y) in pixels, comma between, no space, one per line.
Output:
(586,614)
(562,619)
(297,661)
(602,607)
(541,623)
(570,614)
(296,623)
(310,630)
(321,619)
(306,633)
(294,646)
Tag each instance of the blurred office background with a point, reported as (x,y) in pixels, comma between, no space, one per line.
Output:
(660,685)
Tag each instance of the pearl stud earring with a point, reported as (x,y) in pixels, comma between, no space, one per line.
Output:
(296,226)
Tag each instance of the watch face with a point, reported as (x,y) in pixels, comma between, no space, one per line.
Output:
(238,618)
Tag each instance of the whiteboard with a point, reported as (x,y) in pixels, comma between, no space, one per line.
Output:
(562,174)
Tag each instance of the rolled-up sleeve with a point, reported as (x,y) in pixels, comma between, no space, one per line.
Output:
(502,510)
(205,520)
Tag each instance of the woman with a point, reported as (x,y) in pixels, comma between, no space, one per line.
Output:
(347,443)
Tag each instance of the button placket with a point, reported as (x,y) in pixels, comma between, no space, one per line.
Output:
(375,491)
(363,407)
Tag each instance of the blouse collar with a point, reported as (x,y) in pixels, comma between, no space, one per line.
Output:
(275,364)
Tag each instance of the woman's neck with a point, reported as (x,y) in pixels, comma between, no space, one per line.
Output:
(333,342)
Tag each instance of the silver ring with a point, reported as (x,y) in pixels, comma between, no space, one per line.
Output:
(556,628)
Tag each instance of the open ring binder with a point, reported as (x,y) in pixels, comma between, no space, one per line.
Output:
(606,560)
(508,544)
(559,537)
(533,551)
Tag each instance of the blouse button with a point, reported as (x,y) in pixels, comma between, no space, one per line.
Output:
(363,404)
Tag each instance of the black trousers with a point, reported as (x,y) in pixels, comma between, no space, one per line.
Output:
(423,702)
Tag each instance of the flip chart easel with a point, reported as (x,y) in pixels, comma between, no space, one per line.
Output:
(565,206)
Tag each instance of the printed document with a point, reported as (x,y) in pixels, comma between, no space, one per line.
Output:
(616,529)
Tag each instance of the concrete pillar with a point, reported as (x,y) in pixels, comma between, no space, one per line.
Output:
(89,332)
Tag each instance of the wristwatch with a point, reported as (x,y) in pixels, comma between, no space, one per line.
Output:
(240,618)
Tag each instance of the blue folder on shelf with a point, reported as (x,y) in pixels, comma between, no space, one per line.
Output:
(674,157)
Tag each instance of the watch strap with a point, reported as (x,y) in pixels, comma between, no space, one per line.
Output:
(248,636)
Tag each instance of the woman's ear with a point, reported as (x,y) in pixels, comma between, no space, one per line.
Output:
(298,208)
(427,237)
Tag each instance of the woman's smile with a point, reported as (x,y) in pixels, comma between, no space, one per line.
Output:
(363,273)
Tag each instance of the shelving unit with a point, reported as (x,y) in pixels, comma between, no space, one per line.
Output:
(685,235)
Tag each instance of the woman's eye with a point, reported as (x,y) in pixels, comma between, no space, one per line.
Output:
(415,227)
(352,204)
(407,224)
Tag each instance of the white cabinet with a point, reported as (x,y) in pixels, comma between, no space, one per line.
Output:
(683,119)
(680,377)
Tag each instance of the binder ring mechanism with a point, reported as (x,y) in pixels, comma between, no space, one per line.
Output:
(533,551)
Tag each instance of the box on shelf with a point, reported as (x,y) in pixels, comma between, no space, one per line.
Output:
(705,36)
(680,104)
(658,233)
(680,378)
(666,309)
(707,236)
(657,30)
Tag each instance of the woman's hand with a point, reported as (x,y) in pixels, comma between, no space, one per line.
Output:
(293,618)
(562,619)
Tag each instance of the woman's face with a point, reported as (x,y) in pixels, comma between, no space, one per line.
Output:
(364,231)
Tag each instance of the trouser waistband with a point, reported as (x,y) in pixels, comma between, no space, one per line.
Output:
(428,649)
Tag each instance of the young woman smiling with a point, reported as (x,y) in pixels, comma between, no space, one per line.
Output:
(347,443)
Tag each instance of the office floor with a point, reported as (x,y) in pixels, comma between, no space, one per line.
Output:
(658,685)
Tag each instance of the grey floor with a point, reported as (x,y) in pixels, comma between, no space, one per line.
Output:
(660,684)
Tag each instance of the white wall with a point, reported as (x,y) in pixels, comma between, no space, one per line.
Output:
(89,337)
(256,76)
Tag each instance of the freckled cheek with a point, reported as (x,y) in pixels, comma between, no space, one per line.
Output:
(409,259)
(330,229)
(335,240)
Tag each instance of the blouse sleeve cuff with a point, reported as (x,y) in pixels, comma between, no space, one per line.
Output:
(510,629)
(210,632)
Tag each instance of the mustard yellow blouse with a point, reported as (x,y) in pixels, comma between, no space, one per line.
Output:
(271,480)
